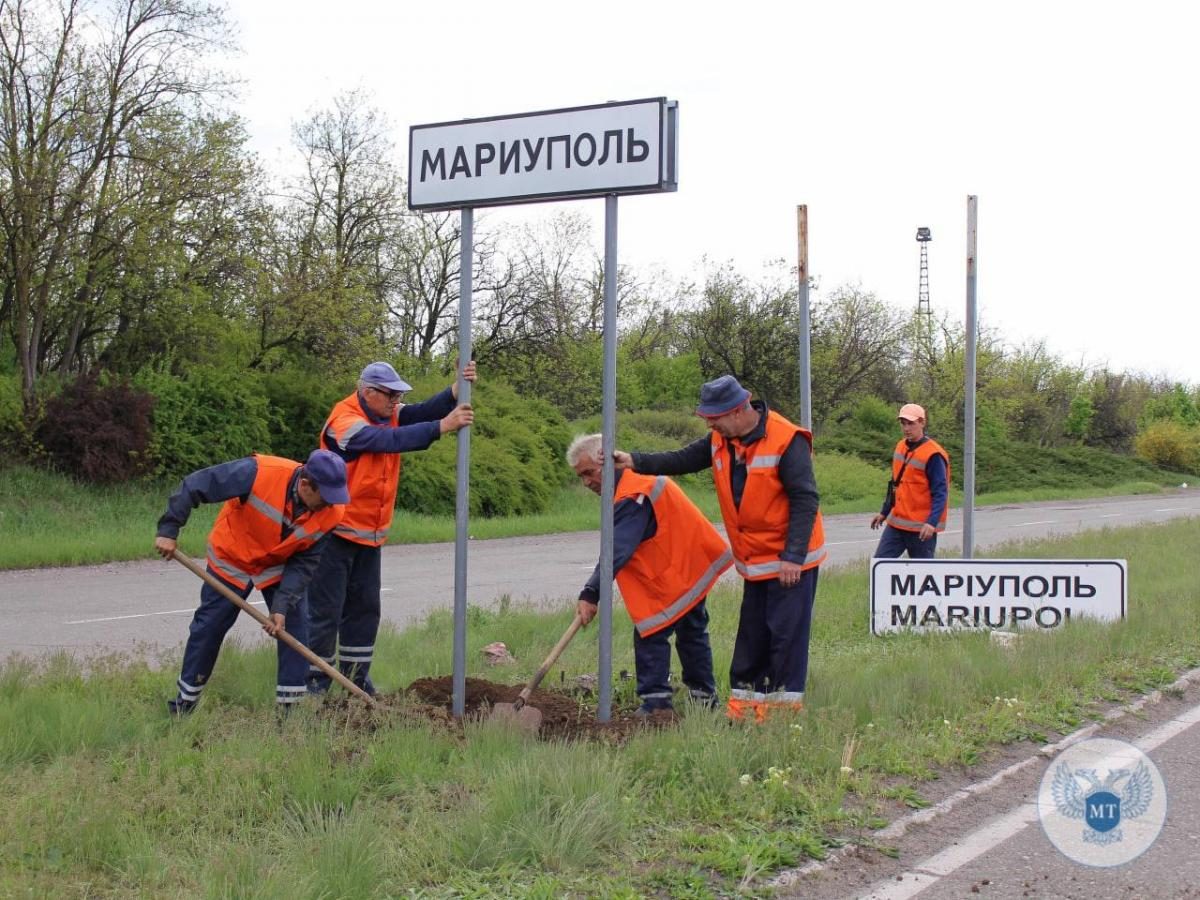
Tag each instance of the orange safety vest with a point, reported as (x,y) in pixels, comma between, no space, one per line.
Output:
(757,529)
(372,478)
(914,503)
(671,572)
(245,546)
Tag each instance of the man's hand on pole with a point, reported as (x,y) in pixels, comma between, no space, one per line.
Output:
(165,546)
(468,373)
(460,417)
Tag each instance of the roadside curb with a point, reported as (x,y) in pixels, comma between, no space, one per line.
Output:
(901,826)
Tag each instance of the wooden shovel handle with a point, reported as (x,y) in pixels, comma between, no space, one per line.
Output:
(188,563)
(522,697)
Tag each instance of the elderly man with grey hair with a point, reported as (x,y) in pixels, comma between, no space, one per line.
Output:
(666,558)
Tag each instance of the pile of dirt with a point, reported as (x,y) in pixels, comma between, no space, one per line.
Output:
(564,717)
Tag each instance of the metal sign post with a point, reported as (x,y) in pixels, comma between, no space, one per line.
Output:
(968,548)
(605,150)
(805,320)
(608,443)
(462,499)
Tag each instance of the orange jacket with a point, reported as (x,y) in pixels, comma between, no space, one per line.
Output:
(671,572)
(913,501)
(758,528)
(246,545)
(372,478)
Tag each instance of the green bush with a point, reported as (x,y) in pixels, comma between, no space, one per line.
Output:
(1171,445)
(12,424)
(517,456)
(300,403)
(205,416)
(842,478)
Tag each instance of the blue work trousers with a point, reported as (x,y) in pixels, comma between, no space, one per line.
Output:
(343,611)
(895,541)
(652,660)
(770,653)
(212,621)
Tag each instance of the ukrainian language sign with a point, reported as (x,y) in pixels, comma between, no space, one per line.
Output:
(986,594)
(587,151)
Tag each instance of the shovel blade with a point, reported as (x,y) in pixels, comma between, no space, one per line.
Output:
(528,718)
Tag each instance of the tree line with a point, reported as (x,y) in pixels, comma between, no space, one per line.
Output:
(143,240)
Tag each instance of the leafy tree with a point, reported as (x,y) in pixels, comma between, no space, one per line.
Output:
(748,330)
(78,83)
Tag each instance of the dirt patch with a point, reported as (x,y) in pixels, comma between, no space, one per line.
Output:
(564,716)
(430,701)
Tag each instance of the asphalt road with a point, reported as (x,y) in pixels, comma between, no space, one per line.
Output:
(992,844)
(144,607)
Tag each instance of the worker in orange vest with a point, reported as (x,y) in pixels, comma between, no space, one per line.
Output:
(276,521)
(369,430)
(762,470)
(666,558)
(914,509)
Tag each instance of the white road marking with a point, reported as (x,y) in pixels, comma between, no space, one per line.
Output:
(1110,515)
(1170,509)
(991,835)
(165,612)
(1039,522)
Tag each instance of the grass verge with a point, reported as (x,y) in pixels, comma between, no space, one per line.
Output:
(106,796)
(48,520)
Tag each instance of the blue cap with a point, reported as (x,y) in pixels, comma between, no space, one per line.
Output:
(721,395)
(381,374)
(327,471)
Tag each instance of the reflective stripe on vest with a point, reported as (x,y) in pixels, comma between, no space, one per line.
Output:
(361,536)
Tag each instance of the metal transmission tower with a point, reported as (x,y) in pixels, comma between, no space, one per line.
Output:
(923,238)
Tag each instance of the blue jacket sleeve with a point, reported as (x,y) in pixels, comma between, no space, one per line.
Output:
(633,523)
(215,484)
(436,407)
(695,457)
(385,439)
(800,485)
(935,471)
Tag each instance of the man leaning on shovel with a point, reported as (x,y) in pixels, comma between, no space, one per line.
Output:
(666,558)
(269,535)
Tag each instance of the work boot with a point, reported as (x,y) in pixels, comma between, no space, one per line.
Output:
(179,707)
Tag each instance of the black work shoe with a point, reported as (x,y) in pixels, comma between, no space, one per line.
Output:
(180,707)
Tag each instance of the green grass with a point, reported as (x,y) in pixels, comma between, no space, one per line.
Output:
(105,796)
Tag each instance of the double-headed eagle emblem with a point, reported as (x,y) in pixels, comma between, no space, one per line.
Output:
(1099,804)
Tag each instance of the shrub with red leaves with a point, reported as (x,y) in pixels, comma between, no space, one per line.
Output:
(98,431)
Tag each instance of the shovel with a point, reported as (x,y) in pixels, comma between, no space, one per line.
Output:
(188,563)
(530,717)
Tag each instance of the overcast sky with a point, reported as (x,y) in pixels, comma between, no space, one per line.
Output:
(1074,123)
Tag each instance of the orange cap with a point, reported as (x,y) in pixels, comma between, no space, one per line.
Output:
(912,412)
